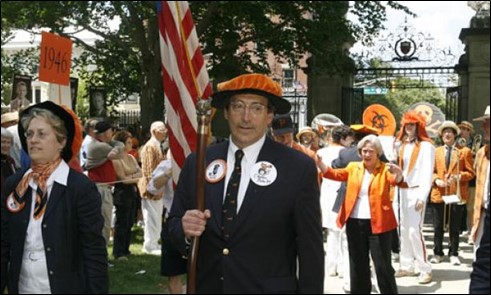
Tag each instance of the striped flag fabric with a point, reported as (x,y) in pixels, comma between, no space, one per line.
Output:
(185,78)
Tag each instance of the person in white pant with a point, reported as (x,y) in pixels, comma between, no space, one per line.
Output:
(417,160)
(152,205)
(336,246)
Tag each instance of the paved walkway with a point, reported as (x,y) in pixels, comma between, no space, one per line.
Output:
(447,278)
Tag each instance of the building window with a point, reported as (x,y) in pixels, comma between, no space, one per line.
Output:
(288,78)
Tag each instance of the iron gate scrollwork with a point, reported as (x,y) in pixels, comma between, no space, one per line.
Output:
(452,99)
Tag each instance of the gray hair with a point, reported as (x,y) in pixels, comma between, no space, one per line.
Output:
(53,120)
(156,125)
(6,133)
(373,139)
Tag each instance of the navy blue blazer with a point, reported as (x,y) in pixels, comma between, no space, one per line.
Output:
(275,225)
(481,267)
(76,253)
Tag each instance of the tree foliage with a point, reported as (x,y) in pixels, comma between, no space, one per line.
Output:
(127,51)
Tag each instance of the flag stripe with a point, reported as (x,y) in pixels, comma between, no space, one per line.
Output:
(184,77)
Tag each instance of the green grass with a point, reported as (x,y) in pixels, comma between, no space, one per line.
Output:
(123,278)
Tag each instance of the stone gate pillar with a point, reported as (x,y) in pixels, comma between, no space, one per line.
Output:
(473,67)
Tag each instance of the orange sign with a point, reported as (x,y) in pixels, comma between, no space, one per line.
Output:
(56,59)
(379,117)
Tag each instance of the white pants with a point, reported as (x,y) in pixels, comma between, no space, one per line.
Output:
(337,256)
(33,278)
(152,217)
(413,247)
(334,255)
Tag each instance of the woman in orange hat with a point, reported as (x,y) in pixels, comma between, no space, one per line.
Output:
(417,159)
(51,214)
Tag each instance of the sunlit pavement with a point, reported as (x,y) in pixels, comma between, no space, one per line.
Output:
(447,278)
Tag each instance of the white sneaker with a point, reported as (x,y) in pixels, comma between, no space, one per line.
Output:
(436,259)
(454,260)
(405,273)
(395,257)
(425,278)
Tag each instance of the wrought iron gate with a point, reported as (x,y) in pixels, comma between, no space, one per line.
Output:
(452,99)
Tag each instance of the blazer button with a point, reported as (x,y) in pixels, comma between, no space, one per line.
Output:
(45,225)
(51,272)
(225,251)
(48,249)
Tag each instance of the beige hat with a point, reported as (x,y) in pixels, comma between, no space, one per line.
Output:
(467,125)
(486,115)
(448,124)
(9,117)
(303,131)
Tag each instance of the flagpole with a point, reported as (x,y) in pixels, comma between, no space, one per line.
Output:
(203,111)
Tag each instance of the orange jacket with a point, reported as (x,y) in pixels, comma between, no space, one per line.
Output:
(482,163)
(381,212)
(461,159)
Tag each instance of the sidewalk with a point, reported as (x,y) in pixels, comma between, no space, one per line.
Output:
(447,278)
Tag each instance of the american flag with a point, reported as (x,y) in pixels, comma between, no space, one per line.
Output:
(184,75)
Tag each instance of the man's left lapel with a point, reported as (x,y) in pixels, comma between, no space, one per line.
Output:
(214,191)
(55,196)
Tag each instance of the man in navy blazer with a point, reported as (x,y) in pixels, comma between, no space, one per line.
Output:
(270,240)
(480,268)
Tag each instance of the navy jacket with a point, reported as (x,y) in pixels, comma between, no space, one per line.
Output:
(480,283)
(275,225)
(76,253)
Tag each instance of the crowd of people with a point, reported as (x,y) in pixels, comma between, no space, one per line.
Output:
(280,214)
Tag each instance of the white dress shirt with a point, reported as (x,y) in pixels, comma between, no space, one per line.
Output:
(248,161)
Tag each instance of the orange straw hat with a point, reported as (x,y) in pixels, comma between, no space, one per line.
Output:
(251,83)
(419,120)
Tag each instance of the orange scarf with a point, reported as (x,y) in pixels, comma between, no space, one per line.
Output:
(39,174)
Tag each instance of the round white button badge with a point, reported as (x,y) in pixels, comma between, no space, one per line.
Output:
(216,171)
(263,173)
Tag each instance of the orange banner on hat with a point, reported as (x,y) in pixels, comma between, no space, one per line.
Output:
(381,118)
(56,59)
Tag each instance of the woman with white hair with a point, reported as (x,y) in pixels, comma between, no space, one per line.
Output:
(8,163)
(368,215)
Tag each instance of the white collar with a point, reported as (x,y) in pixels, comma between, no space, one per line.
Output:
(60,175)
(250,152)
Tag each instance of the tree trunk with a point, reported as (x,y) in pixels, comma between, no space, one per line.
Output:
(152,100)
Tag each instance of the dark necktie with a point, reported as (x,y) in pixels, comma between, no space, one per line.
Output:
(448,157)
(40,205)
(229,207)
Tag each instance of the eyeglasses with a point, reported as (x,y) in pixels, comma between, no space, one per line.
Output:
(41,134)
(254,108)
